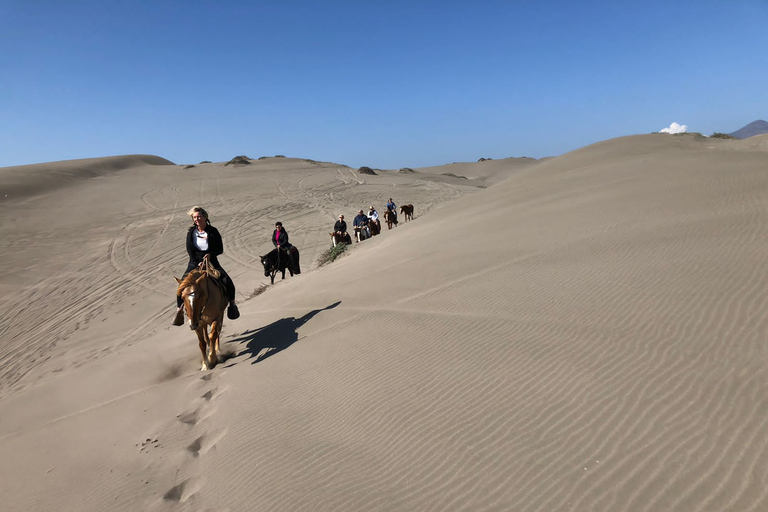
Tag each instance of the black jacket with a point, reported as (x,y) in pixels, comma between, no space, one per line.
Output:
(360,220)
(341,225)
(215,247)
(283,238)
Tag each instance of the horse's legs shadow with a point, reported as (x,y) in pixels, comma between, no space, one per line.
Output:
(269,340)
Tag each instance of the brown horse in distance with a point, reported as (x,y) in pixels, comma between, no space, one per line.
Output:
(375,226)
(407,210)
(389,218)
(204,302)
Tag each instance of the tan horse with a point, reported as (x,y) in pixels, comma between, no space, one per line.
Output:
(407,210)
(204,303)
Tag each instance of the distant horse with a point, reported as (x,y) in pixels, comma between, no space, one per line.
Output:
(204,302)
(362,233)
(375,227)
(407,210)
(390,218)
(337,239)
(277,261)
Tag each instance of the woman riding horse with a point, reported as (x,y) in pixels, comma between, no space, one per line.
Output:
(280,240)
(204,239)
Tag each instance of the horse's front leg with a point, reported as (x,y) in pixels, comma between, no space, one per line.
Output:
(201,338)
(213,344)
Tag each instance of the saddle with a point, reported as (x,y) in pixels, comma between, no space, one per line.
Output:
(219,281)
(292,253)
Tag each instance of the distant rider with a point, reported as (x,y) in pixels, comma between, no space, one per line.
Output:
(392,207)
(340,228)
(373,216)
(360,221)
(280,240)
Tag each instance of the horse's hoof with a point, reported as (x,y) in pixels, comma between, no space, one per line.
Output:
(204,367)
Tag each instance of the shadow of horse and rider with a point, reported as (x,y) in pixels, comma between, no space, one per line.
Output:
(274,338)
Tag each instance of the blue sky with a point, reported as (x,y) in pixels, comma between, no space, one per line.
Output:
(383,84)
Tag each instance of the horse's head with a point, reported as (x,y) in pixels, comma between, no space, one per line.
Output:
(194,293)
(265,261)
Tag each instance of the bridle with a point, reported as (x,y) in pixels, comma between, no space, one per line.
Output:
(273,266)
(205,294)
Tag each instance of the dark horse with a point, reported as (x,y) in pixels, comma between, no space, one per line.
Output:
(390,218)
(375,226)
(277,261)
(338,239)
(407,210)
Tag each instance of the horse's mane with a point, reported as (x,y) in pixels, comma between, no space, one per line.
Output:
(189,279)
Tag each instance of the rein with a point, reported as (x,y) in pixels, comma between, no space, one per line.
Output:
(207,294)
(209,271)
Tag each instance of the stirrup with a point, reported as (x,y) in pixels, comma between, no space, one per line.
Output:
(232,312)
(178,319)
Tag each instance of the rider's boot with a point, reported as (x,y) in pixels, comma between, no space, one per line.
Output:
(232,312)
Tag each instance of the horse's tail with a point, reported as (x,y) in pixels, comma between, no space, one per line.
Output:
(295,257)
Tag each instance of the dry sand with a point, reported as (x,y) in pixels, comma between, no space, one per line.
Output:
(588,332)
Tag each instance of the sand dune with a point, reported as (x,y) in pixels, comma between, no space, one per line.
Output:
(581,333)
(30,180)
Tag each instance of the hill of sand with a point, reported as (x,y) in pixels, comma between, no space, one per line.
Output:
(33,180)
(586,332)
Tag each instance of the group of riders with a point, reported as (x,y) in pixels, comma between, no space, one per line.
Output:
(205,240)
(361,224)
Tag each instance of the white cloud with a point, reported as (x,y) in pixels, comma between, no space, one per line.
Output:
(675,128)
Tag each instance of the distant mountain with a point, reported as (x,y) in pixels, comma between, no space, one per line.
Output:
(754,128)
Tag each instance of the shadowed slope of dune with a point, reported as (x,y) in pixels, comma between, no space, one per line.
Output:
(26,180)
